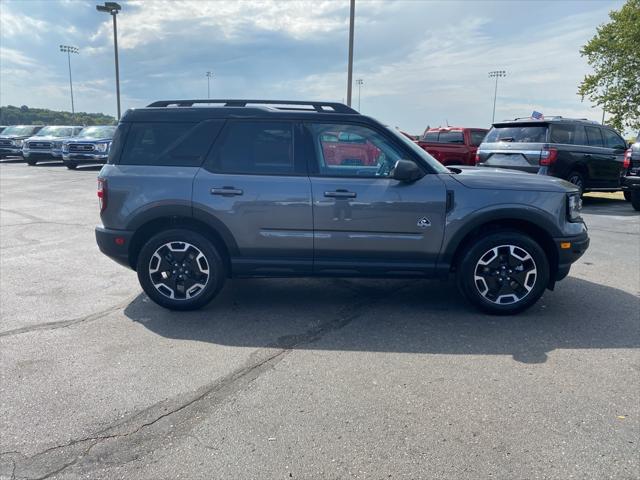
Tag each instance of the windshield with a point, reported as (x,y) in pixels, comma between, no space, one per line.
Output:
(18,130)
(97,132)
(433,163)
(517,134)
(55,132)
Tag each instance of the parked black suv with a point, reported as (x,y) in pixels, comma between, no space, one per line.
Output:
(193,195)
(585,153)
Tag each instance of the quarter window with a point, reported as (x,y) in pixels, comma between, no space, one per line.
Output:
(477,136)
(613,140)
(563,134)
(255,147)
(451,137)
(169,144)
(358,151)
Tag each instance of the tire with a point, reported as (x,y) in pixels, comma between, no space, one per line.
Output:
(171,292)
(635,200)
(577,179)
(627,195)
(71,165)
(482,287)
(31,161)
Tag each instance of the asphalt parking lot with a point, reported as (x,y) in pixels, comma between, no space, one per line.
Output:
(305,378)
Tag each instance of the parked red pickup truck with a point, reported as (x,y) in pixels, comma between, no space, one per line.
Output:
(452,145)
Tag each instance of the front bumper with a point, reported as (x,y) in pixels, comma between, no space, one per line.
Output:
(569,250)
(85,157)
(10,151)
(42,154)
(114,244)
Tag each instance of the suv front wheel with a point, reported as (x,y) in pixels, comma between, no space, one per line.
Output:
(180,269)
(503,273)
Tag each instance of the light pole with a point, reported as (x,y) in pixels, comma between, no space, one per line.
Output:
(496,74)
(68,49)
(359,82)
(209,77)
(352,15)
(113,8)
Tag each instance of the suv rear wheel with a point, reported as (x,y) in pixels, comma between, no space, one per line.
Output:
(180,269)
(503,273)
(635,199)
(577,179)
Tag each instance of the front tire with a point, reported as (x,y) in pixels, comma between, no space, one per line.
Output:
(180,269)
(627,195)
(31,161)
(503,273)
(71,165)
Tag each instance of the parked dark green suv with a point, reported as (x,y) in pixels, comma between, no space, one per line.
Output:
(198,191)
(585,153)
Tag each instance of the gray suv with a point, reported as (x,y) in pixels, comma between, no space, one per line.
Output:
(198,191)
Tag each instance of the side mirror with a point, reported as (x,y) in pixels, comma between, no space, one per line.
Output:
(406,171)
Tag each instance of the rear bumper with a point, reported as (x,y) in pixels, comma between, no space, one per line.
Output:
(114,244)
(631,183)
(568,254)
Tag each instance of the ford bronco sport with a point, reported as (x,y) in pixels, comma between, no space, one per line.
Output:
(198,191)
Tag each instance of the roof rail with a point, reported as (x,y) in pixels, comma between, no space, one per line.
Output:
(323,107)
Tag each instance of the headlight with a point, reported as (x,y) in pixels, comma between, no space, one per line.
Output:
(574,206)
(65,147)
(102,147)
(57,145)
(18,143)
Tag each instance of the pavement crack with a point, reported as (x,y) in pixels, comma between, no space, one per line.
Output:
(66,323)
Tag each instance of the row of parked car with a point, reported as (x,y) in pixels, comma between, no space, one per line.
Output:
(72,144)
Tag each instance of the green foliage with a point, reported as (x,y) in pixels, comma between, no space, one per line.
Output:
(24,115)
(614,55)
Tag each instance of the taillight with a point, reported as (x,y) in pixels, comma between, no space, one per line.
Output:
(477,159)
(627,159)
(102,194)
(548,156)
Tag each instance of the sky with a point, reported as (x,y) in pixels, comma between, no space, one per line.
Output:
(422,62)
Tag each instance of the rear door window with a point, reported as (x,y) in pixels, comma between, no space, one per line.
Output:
(169,143)
(518,134)
(563,134)
(594,137)
(431,137)
(451,137)
(256,147)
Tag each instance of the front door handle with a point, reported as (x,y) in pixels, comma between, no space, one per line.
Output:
(226,191)
(341,194)
(588,155)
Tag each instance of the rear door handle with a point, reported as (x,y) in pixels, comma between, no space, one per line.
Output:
(341,194)
(226,191)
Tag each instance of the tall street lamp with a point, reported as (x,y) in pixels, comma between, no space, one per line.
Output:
(496,74)
(209,77)
(68,49)
(113,8)
(352,15)
(359,82)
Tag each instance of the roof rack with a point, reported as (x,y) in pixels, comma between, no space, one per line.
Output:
(322,107)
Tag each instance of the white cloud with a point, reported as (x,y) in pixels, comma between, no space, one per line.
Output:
(15,57)
(17,24)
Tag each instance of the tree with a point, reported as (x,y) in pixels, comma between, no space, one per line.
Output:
(614,55)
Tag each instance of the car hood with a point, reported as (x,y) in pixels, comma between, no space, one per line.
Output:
(13,137)
(503,179)
(89,140)
(46,138)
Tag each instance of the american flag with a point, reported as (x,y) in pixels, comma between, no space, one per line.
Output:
(537,115)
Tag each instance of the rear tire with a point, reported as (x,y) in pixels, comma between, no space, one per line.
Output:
(71,165)
(577,179)
(635,200)
(503,273)
(627,195)
(180,269)
(31,162)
